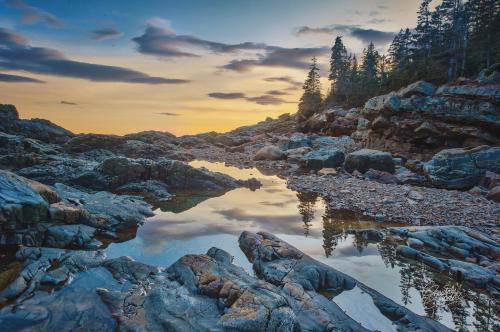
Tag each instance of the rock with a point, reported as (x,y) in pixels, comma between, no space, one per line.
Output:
(38,129)
(381,176)
(363,160)
(462,168)
(405,176)
(86,142)
(153,189)
(20,202)
(269,153)
(415,243)
(417,122)
(321,158)
(420,88)
(302,279)
(494,194)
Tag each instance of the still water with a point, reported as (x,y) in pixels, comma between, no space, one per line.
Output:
(191,225)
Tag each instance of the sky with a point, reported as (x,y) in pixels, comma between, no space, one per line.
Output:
(122,66)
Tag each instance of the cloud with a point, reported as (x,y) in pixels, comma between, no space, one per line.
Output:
(354,31)
(16,54)
(278,57)
(168,114)
(164,42)
(227,95)
(18,79)
(374,12)
(105,34)
(266,99)
(160,40)
(294,85)
(32,15)
(378,20)
(277,93)
(64,102)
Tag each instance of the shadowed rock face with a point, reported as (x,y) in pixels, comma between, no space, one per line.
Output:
(303,280)
(462,168)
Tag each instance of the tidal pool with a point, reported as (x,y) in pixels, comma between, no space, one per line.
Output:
(193,224)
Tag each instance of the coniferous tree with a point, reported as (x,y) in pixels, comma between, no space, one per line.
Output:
(339,70)
(311,100)
(423,35)
(369,66)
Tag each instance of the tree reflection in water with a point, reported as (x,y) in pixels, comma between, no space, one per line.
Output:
(307,204)
(470,309)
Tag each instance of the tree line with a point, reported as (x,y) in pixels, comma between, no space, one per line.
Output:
(455,39)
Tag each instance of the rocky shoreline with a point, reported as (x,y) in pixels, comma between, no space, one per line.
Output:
(63,197)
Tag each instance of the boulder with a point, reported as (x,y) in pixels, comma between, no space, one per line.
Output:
(322,158)
(462,168)
(419,88)
(363,160)
(269,152)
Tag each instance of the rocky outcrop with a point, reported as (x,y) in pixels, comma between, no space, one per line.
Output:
(365,159)
(289,292)
(420,120)
(462,168)
(303,281)
(38,129)
(34,214)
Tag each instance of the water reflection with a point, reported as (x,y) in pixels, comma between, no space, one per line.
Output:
(194,224)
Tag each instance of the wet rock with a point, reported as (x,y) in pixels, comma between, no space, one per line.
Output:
(269,153)
(462,168)
(302,280)
(322,158)
(363,160)
(106,210)
(415,243)
(149,188)
(20,202)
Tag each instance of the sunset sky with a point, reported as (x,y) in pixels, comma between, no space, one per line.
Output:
(120,66)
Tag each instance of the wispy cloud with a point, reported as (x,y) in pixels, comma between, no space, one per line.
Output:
(227,95)
(69,103)
(279,57)
(354,31)
(293,84)
(32,15)
(266,99)
(168,114)
(16,54)
(277,93)
(18,79)
(105,34)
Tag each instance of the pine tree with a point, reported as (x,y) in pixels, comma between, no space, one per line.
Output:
(311,100)
(423,36)
(339,68)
